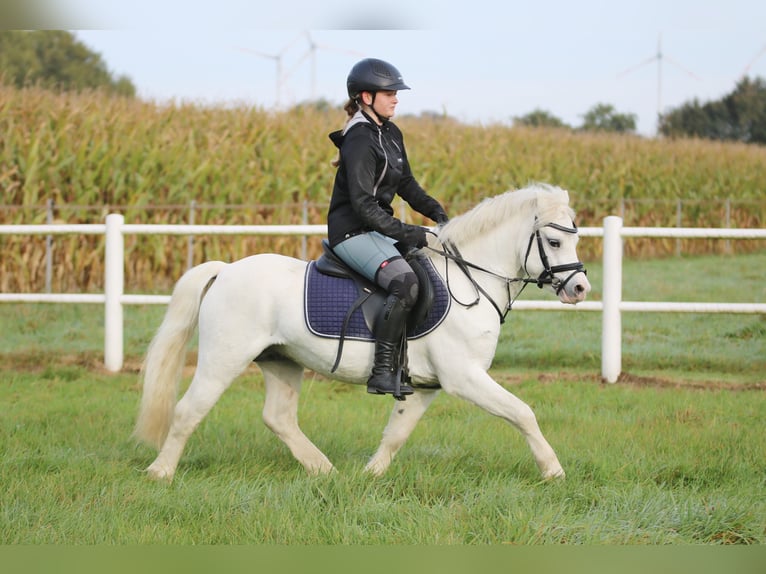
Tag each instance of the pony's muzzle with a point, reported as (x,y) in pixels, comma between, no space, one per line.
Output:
(574,289)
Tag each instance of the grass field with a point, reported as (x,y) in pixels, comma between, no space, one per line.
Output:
(673,454)
(645,466)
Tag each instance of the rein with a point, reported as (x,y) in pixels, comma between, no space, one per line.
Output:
(451,252)
(546,277)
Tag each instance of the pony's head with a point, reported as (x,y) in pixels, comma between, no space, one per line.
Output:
(547,247)
(551,253)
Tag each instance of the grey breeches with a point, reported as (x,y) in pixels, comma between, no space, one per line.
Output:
(375,257)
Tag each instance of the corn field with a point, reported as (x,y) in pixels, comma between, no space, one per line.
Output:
(73,158)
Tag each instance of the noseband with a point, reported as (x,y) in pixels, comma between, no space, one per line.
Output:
(548,275)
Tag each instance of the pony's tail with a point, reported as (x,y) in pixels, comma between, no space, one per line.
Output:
(164,361)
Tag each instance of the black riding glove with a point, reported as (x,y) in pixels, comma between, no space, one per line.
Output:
(415,236)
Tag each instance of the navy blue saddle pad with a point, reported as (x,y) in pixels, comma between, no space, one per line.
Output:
(327,300)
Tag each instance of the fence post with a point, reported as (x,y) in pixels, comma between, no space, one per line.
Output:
(48,247)
(727,224)
(679,223)
(611,331)
(190,240)
(114,279)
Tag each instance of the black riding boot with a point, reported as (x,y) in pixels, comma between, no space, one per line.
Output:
(389,331)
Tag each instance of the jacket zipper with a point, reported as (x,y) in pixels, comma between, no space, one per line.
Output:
(385,165)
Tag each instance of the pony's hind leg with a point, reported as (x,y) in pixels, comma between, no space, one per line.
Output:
(206,388)
(280,413)
(401,423)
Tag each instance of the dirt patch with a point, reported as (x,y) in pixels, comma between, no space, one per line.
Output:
(639,381)
(94,361)
(628,379)
(30,362)
(37,362)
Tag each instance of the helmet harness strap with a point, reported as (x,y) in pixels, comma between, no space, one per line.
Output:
(360,101)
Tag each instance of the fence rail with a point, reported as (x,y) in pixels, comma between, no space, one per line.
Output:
(611,305)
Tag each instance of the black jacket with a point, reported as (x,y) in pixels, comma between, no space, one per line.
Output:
(373,169)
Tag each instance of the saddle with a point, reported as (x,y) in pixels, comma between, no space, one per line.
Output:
(339,303)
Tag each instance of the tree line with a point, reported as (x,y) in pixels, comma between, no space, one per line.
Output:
(55,59)
(739,116)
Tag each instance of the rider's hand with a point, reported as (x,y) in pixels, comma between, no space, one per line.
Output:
(415,236)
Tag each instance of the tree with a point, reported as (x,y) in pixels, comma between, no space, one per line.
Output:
(54,59)
(738,116)
(747,108)
(539,119)
(689,120)
(603,117)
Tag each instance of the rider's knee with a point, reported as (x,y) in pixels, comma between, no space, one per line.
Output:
(398,278)
(407,289)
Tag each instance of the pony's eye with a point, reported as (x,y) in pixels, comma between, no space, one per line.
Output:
(555,243)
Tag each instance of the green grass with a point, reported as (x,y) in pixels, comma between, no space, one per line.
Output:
(645,466)
(689,346)
(678,463)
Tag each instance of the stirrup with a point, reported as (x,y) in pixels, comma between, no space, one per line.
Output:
(399,389)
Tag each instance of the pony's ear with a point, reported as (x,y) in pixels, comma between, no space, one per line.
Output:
(549,200)
(555,193)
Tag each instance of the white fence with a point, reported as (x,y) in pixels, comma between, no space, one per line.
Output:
(611,305)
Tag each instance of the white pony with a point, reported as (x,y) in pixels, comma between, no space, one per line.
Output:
(251,310)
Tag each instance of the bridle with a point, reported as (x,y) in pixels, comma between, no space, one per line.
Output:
(546,277)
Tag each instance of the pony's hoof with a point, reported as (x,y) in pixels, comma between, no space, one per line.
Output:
(320,470)
(376,469)
(557,474)
(158,474)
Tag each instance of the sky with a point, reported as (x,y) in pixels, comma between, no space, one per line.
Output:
(480,61)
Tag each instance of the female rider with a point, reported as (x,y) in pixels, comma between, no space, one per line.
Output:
(372,170)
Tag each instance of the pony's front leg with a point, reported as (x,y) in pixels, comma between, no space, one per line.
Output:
(401,423)
(479,388)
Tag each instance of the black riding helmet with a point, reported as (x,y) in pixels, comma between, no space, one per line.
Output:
(373,75)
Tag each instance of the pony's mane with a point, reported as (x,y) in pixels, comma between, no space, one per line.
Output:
(546,201)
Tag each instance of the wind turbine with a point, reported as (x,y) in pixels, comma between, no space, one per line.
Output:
(658,57)
(746,71)
(278,60)
(312,53)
